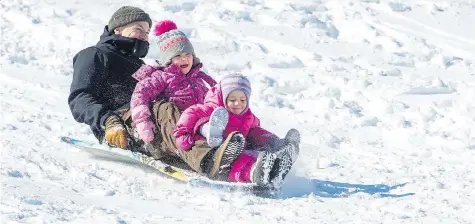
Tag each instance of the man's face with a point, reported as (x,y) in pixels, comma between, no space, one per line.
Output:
(138,30)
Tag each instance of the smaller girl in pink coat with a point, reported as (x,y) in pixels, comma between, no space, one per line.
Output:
(226,110)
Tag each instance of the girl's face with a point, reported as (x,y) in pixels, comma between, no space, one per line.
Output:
(236,102)
(184,61)
(138,30)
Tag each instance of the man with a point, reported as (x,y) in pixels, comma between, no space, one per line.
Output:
(102,82)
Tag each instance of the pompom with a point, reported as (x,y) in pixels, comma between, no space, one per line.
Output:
(164,26)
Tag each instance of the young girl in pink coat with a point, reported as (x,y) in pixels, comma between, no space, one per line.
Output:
(179,81)
(226,110)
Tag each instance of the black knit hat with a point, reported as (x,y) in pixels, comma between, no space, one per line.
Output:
(126,15)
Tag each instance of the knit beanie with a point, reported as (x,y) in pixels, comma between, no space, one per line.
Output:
(128,14)
(233,82)
(172,42)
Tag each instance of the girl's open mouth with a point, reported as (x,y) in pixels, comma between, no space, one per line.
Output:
(184,66)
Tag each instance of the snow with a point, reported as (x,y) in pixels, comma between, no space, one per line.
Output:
(382,92)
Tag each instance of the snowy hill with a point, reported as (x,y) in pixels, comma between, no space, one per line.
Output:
(382,91)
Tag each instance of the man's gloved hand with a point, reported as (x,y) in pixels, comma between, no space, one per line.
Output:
(116,133)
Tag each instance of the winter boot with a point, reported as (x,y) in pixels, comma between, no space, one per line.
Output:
(286,155)
(223,157)
(259,172)
(280,168)
(214,128)
(252,167)
(293,138)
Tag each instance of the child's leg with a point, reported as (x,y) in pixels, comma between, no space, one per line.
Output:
(166,116)
(241,165)
(214,128)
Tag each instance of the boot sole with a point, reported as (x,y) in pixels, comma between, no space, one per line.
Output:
(264,165)
(226,157)
(284,166)
(217,123)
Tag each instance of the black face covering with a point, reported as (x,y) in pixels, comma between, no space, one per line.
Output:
(126,45)
(140,48)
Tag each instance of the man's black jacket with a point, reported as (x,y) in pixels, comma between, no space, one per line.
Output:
(102,80)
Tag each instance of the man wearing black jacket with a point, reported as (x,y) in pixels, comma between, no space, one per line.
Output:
(102,82)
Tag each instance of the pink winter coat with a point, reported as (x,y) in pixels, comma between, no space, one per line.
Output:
(187,128)
(169,84)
